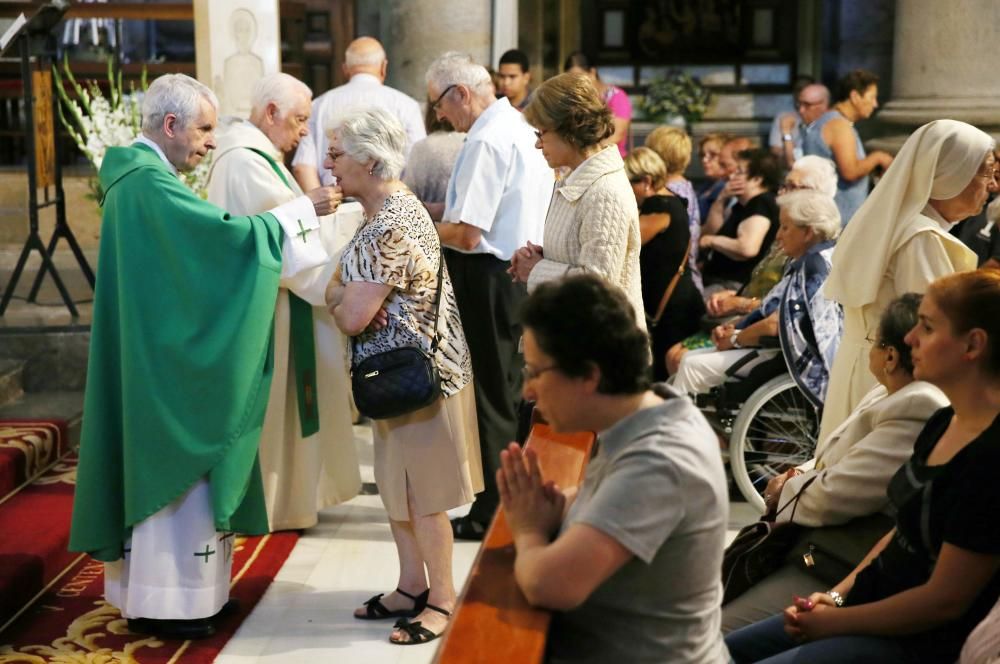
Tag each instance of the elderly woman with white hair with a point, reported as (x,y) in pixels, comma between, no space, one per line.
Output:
(898,242)
(426,461)
(808,324)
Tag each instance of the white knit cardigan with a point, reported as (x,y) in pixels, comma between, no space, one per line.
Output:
(593,225)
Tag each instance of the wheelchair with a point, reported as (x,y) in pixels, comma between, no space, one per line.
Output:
(770,424)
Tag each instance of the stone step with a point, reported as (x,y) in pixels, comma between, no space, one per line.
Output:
(11,383)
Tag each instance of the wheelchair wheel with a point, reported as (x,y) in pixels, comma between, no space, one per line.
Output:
(775,429)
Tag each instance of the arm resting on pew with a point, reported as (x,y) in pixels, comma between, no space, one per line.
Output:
(557,574)
(561,575)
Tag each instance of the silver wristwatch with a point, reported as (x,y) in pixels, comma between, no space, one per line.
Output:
(837,598)
(734,339)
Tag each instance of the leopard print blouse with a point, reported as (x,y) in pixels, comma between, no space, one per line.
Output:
(399,247)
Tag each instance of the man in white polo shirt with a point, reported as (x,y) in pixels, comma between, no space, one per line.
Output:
(496,202)
(366,66)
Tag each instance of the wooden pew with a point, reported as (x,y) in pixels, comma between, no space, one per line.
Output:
(493,621)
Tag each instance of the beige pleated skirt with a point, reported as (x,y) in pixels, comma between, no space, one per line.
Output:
(436,450)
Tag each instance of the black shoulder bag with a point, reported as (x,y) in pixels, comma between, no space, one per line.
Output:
(399,381)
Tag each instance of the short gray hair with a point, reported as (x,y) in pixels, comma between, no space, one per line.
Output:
(375,134)
(454,68)
(279,88)
(818,174)
(173,93)
(807,208)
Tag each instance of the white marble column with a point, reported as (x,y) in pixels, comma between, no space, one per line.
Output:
(415,33)
(944,63)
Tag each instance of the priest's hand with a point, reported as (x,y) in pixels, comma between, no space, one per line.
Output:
(325,200)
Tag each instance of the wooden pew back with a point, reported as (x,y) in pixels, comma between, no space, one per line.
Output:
(493,621)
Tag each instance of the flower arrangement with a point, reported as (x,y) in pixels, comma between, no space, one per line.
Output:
(96,122)
(677,94)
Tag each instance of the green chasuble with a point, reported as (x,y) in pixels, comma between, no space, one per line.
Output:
(180,356)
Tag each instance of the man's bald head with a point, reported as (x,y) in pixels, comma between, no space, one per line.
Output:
(365,55)
(812,102)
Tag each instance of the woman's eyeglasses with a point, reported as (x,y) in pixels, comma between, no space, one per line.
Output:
(530,373)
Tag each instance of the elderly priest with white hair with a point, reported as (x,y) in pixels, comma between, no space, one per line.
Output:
(307,455)
(180,369)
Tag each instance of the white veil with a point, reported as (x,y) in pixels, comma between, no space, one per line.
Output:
(937,162)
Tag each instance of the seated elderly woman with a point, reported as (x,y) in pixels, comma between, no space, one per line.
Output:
(807,323)
(593,222)
(930,580)
(709,149)
(426,461)
(631,561)
(673,304)
(846,481)
(898,242)
(732,245)
(813,173)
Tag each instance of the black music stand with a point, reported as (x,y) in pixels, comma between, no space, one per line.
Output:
(35,38)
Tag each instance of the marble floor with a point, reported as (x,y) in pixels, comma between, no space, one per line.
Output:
(305,616)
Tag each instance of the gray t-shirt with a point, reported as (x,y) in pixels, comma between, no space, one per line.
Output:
(657,486)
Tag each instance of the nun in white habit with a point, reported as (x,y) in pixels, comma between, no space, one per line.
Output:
(898,242)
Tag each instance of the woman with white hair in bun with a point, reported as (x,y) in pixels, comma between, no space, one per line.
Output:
(898,242)
(426,461)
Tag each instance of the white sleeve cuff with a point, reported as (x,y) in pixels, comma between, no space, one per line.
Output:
(302,248)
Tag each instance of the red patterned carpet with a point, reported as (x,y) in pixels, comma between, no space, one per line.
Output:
(51,600)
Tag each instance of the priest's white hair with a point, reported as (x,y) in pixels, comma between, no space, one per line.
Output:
(373,134)
(811,208)
(817,173)
(454,68)
(173,93)
(280,88)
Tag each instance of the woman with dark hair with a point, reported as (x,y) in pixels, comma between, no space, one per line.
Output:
(593,222)
(613,97)
(630,561)
(847,478)
(737,243)
(923,587)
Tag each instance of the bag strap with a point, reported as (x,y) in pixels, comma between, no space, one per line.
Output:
(437,301)
(794,502)
(671,286)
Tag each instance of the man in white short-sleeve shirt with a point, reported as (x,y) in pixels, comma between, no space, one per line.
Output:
(365,65)
(496,202)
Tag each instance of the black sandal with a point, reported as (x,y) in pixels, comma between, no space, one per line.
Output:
(376,610)
(418,633)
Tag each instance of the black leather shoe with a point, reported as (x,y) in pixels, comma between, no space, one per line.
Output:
(182,630)
(465,528)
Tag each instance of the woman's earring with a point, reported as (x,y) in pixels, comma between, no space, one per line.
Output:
(371,171)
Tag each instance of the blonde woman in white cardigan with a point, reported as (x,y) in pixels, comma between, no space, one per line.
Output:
(848,477)
(593,222)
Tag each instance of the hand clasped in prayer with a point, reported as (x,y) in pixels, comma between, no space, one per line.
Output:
(532,505)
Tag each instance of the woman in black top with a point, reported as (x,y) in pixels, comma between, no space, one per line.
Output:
(733,245)
(921,590)
(665,234)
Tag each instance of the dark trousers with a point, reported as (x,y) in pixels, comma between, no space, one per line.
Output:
(489,304)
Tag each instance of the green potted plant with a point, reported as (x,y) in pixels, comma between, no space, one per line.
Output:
(675,98)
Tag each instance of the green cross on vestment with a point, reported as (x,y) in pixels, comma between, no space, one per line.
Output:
(206,553)
(302,230)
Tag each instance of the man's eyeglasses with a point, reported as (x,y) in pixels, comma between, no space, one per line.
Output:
(530,373)
(799,103)
(437,101)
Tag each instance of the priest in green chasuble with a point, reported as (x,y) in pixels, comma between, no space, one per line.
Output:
(180,369)
(307,455)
